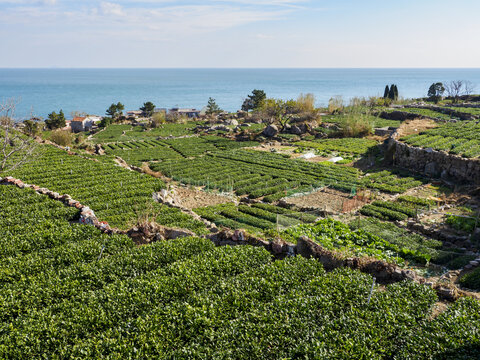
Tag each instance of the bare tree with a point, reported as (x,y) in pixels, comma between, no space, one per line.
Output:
(16,148)
(469,88)
(454,89)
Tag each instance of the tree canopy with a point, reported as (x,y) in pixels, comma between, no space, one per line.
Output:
(212,107)
(393,92)
(254,100)
(55,121)
(435,91)
(386,92)
(115,110)
(148,108)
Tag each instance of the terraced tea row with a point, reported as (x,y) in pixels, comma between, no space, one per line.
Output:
(94,296)
(117,196)
(256,218)
(137,152)
(460,138)
(116,132)
(432,249)
(261,174)
(401,209)
(345,145)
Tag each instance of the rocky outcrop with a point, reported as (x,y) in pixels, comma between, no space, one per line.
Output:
(151,232)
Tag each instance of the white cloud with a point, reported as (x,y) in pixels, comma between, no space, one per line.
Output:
(109,8)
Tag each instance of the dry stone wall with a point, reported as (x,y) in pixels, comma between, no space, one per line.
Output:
(436,163)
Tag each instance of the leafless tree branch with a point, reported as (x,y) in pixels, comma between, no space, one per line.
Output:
(16,148)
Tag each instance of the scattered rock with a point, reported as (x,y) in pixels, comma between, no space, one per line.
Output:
(270,131)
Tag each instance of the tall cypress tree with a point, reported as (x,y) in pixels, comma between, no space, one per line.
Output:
(385,93)
(391,93)
(395,93)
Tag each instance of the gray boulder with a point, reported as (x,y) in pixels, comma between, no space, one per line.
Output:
(270,131)
(296,130)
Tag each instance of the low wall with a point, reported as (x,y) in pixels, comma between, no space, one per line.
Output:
(435,163)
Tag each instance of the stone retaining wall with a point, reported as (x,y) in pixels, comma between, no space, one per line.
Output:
(434,163)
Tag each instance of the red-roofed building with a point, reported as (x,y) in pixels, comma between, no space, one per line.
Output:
(84,123)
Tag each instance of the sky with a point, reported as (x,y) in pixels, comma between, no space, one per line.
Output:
(239,33)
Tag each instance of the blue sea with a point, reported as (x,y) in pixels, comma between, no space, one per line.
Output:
(41,91)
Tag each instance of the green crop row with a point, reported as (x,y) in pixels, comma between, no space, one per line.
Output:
(194,146)
(140,155)
(255,218)
(258,173)
(333,235)
(116,195)
(93,296)
(115,132)
(390,232)
(344,145)
(382,213)
(459,138)
(416,201)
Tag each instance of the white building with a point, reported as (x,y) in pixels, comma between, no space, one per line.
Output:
(84,123)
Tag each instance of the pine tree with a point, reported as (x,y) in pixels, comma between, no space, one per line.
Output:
(212,107)
(385,93)
(148,108)
(55,121)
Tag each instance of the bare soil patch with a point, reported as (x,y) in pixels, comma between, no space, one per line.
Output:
(328,200)
(415,126)
(274,148)
(282,149)
(191,198)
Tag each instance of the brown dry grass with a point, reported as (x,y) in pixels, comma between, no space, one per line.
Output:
(415,126)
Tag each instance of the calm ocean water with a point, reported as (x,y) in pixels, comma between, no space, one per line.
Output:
(93,90)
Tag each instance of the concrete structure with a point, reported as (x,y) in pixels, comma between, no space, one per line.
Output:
(134,113)
(68,125)
(190,113)
(84,123)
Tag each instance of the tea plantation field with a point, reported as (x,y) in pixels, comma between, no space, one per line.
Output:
(67,291)
(269,175)
(459,138)
(116,195)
